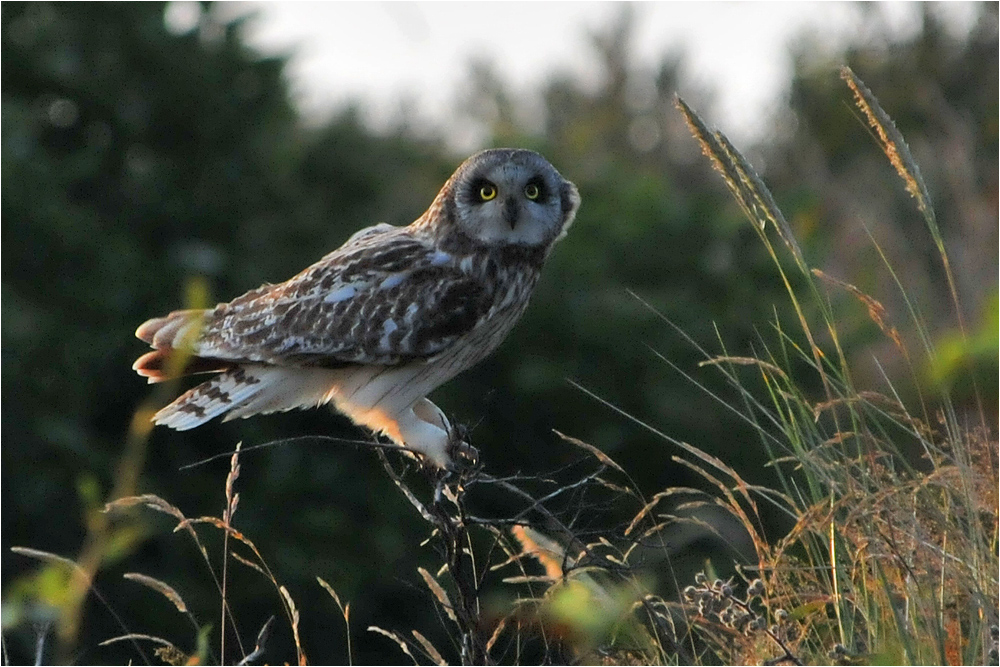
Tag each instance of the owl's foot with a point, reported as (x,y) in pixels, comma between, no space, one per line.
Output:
(427,431)
(462,456)
(463,460)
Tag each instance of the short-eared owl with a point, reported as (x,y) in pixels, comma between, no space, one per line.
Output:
(383,320)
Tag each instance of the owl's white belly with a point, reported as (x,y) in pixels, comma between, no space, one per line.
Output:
(376,396)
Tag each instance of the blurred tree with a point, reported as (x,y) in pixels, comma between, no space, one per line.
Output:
(135,158)
(131,158)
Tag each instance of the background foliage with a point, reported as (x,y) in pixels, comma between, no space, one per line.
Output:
(136,161)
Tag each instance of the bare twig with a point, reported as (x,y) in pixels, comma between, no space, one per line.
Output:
(262,637)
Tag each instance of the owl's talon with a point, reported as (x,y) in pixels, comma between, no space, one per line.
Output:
(465,455)
(461,455)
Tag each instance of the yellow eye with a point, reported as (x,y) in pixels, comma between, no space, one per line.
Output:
(487,192)
(531,191)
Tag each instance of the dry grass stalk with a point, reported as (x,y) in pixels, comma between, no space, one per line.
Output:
(890,139)
(876,311)
(402,643)
(432,652)
(164,589)
(232,500)
(294,613)
(439,594)
(345,611)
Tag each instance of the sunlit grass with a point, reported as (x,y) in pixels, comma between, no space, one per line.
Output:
(893,555)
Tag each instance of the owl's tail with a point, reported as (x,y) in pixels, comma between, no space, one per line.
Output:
(173,338)
(247,390)
(239,389)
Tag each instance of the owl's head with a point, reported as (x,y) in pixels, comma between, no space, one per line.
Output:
(505,196)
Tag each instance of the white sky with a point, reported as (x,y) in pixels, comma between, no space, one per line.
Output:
(380,52)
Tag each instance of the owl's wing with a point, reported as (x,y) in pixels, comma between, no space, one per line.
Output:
(385,297)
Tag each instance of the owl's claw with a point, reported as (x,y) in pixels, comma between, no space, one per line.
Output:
(463,461)
(461,455)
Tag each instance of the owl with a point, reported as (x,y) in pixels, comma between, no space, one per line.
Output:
(378,324)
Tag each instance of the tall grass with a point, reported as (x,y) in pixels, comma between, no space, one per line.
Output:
(892,557)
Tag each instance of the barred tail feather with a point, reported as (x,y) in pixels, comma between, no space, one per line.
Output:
(247,390)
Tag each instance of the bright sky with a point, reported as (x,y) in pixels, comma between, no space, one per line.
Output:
(381,52)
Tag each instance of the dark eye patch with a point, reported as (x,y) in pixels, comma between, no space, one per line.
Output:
(472,194)
(543,191)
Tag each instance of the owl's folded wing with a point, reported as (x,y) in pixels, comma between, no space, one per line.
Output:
(384,298)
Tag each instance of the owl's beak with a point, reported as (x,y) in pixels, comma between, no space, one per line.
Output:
(511,211)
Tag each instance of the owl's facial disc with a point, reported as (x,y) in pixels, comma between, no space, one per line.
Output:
(510,196)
